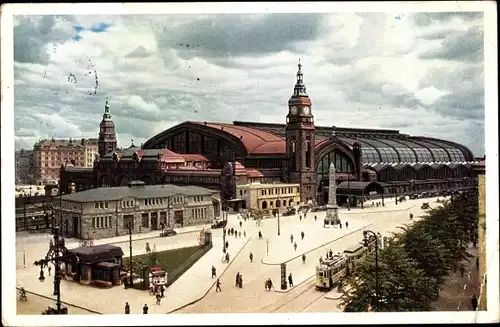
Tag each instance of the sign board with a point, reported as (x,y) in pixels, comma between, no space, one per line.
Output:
(372,192)
(283,276)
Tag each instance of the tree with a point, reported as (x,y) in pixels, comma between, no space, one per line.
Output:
(402,285)
(415,263)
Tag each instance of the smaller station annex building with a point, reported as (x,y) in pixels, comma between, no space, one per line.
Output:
(296,151)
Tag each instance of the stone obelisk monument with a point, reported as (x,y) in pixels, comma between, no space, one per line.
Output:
(332,210)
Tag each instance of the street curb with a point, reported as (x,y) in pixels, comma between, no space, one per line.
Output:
(208,290)
(71,304)
(150,237)
(381,211)
(294,286)
(320,246)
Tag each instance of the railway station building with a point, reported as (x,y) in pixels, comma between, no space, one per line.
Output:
(230,156)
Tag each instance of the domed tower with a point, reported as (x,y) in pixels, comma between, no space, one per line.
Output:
(300,140)
(107,135)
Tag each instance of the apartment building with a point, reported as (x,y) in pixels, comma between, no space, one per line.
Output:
(50,154)
(91,150)
(24,166)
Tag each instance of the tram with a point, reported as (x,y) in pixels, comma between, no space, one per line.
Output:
(331,270)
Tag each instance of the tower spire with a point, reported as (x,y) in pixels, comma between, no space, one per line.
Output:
(106,115)
(300,88)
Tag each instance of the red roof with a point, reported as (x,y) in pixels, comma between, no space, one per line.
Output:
(255,141)
(194,157)
(254,173)
(170,156)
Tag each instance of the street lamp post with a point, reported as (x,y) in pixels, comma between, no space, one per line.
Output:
(348,193)
(267,245)
(131,282)
(278,213)
(369,236)
(396,194)
(54,255)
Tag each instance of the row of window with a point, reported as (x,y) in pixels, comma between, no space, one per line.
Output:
(101,205)
(153,202)
(199,213)
(128,204)
(101,222)
(277,191)
(198,198)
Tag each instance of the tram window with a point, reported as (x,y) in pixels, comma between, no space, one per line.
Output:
(320,274)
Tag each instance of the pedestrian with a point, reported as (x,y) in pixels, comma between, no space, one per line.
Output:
(315,218)
(320,260)
(291,238)
(214,272)
(300,217)
(217,287)
(260,235)
(125,282)
(241,223)
(266,285)
(237,279)
(239,234)
(227,257)
(346,224)
(305,215)
(462,270)
(290,280)
(302,234)
(127,308)
(251,257)
(158,298)
(244,234)
(226,244)
(240,284)
(50,268)
(304,258)
(270,284)
(340,224)
(474,302)
(235,234)
(331,253)
(295,246)
(145,309)
(148,248)
(162,291)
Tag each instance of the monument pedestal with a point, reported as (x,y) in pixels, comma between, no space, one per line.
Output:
(332,215)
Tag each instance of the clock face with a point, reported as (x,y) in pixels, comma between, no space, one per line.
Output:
(293,110)
(306,110)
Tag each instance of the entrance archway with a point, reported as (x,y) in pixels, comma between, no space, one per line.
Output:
(264,204)
(278,203)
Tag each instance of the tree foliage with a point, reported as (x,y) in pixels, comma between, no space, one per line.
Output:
(414,265)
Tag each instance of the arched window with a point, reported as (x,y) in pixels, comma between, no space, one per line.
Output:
(264,204)
(343,164)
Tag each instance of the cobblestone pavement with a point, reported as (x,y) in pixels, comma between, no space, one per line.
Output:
(196,281)
(36,304)
(457,293)
(303,297)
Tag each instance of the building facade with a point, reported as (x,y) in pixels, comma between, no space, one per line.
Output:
(91,148)
(297,152)
(24,167)
(106,212)
(49,155)
(266,196)
(481,232)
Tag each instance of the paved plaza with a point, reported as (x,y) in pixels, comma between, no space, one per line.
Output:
(197,284)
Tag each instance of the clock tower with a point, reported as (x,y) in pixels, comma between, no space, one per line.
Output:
(107,135)
(300,140)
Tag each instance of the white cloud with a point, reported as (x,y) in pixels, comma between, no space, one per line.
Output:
(361,70)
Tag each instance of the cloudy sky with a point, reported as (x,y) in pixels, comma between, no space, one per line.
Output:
(421,73)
